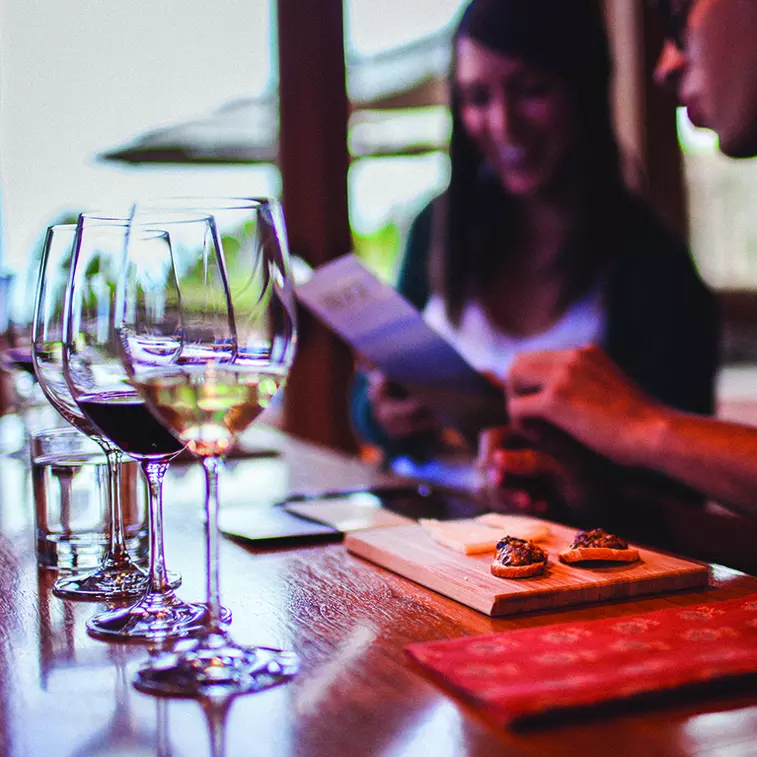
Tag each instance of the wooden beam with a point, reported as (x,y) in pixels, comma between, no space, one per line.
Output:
(645,115)
(314,161)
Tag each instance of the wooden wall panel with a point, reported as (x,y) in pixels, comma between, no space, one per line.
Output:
(314,162)
(645,115)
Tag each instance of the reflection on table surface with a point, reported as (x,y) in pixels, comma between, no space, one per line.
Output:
(63,693)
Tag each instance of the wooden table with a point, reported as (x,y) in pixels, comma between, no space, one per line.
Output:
(64,694)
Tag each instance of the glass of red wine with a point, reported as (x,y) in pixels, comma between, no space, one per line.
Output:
(208,375)
(102,390)
(117,577)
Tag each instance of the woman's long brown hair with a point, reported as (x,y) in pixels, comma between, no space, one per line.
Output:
(475,219)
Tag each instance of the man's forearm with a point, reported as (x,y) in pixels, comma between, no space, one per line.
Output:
(715,457)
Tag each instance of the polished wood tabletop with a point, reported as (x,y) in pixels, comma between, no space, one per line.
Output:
(64,694)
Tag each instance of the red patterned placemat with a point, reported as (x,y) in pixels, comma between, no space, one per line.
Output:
(531,672)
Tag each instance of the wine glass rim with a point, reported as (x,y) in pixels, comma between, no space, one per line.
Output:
(209,202)
(143,220)
(106,218)
(156,218)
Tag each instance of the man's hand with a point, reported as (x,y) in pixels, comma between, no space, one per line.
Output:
(585,394)
(545,474)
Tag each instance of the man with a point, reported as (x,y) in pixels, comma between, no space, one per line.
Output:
(711,59)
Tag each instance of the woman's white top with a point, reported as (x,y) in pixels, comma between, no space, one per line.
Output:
(489,349)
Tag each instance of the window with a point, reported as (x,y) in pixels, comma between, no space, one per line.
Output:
(83,77)
(397,61)
(722,195)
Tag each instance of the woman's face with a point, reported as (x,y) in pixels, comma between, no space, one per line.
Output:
(519,116)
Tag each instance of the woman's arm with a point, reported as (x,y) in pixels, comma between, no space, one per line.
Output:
(584,393)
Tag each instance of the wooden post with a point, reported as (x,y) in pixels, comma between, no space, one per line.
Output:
(645,115)
(314,161)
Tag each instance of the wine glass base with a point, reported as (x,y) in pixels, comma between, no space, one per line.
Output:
(155,618)
(111,583)
(212,665)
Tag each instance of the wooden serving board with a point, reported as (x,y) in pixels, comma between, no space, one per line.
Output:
(412,553)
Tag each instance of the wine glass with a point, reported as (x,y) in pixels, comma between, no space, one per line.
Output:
(15,334)
(101,389)
(18,327)
(117,576)
(229,353)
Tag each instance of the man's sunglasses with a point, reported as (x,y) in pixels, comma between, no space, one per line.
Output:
(674,15)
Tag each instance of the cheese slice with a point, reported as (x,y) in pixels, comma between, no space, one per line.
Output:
(514,525)
(475,536)
(464,536)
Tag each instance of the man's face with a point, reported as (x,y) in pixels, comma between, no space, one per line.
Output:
(710,58)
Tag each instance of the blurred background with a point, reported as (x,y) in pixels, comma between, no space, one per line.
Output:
(104,101)
(339,109)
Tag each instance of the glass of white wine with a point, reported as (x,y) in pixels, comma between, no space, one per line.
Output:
(207,375)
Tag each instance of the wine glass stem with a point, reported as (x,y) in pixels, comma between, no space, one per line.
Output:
(161,717)
(216,712)
(212,466)
(65,481)
(217,741)
(154,472)
(116,535)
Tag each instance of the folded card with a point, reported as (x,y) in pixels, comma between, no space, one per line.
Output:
(351,513)
(384,328)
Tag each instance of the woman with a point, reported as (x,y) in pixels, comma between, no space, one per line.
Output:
(537,243)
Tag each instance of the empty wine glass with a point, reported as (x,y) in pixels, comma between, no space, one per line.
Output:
(101,388)
(117,576)
(208,376)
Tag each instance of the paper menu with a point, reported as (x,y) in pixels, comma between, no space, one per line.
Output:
(388,331)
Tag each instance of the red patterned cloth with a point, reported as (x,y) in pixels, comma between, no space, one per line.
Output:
(534,671)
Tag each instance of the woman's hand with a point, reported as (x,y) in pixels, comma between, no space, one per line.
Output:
(398,415)
(537,475)
(584,393)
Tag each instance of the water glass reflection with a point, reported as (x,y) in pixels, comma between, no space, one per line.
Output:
(70,485)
